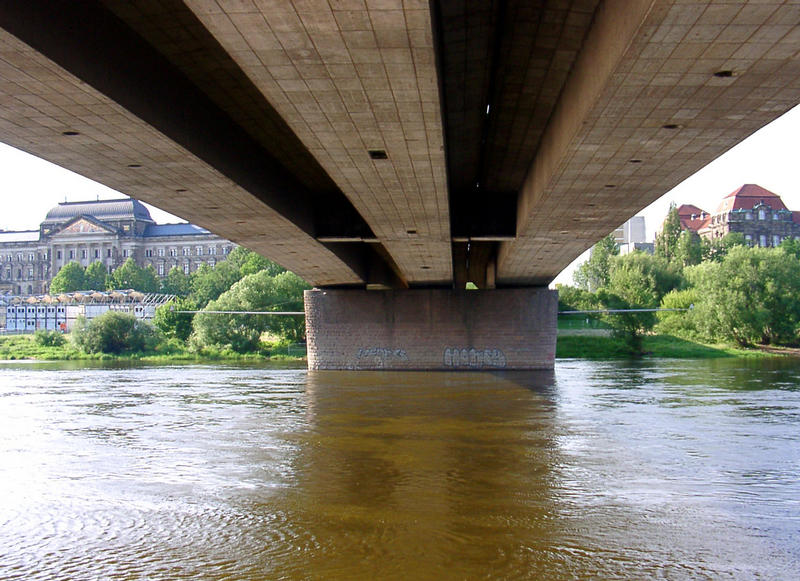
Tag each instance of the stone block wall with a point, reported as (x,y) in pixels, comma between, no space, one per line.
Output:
(431,329)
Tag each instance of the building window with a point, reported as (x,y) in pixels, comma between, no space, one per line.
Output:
(212,263)
(225,250)
(148,253)
(72,254)
(212,250)
(186,251)
(185,268)
(776,240)
(30,273)
(160,269)
(748,215)
(762,240)
(199,251)
(776,216)
(58,254)
(108,253)
(19,257)
(31,257)
(83,253)
(762,215)
(97,253)
(125,253)
(173,252)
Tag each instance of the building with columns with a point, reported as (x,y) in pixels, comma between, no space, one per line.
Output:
(108,231)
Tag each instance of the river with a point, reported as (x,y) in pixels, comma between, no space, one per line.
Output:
(599,470)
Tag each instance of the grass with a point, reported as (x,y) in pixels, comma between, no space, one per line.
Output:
(14,347)
(608,347)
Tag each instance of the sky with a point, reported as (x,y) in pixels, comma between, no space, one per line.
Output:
(770,158)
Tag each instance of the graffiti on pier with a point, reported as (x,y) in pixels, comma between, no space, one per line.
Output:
(380,356)
(474,358)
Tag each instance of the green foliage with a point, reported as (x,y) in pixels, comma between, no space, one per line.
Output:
(571,298)
(173,324)
(688,249)
(665,276)
(131,275)
(95,276)
(630,286)
(593,274)
(176,283)
(209,283)
(679,322)
(791,246)
(255,292)
(666,244)
(70,278)
(717,249)
(750,297)
(49,338)
(115,332)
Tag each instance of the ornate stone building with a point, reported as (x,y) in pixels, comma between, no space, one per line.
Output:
(760,215)
(109,231)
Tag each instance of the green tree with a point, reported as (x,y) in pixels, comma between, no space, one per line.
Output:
(750,297)
(791,246)
(630,287)
(594,273)
(96,275)
(667,240)
(131,275)
(173,323)
(718,248)
(176,283)
(688,249)
(681,321)
(256,292)
(70,278)
(209,283)
(115,332)
(665,276)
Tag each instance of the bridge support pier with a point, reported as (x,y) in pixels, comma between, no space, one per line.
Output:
(431,329)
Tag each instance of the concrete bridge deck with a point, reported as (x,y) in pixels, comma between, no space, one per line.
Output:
(390,144)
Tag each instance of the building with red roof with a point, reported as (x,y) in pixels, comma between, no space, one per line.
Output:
(760,215)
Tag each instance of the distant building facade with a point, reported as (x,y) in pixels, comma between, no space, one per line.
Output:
(632,236)
(108,231)
(758,214)
(631,231)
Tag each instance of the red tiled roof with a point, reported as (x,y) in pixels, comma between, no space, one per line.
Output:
(692,217)
(748,196)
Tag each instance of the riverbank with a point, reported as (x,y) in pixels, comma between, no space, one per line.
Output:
(25,347)
(604,346)
(597,346)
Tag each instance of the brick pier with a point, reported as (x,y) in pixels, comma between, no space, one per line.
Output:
(431,329)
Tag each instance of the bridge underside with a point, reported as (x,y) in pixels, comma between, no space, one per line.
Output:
(388,144)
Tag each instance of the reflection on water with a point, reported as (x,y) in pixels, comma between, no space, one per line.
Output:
(599,470)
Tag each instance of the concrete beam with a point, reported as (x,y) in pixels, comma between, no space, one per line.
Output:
(659,90)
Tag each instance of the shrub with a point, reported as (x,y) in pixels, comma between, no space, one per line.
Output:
(48,338)
(115,332)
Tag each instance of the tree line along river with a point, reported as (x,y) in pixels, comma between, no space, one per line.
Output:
(659,469)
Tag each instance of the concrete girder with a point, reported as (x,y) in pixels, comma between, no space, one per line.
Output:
(352,80)
(144,129)
(660,89)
